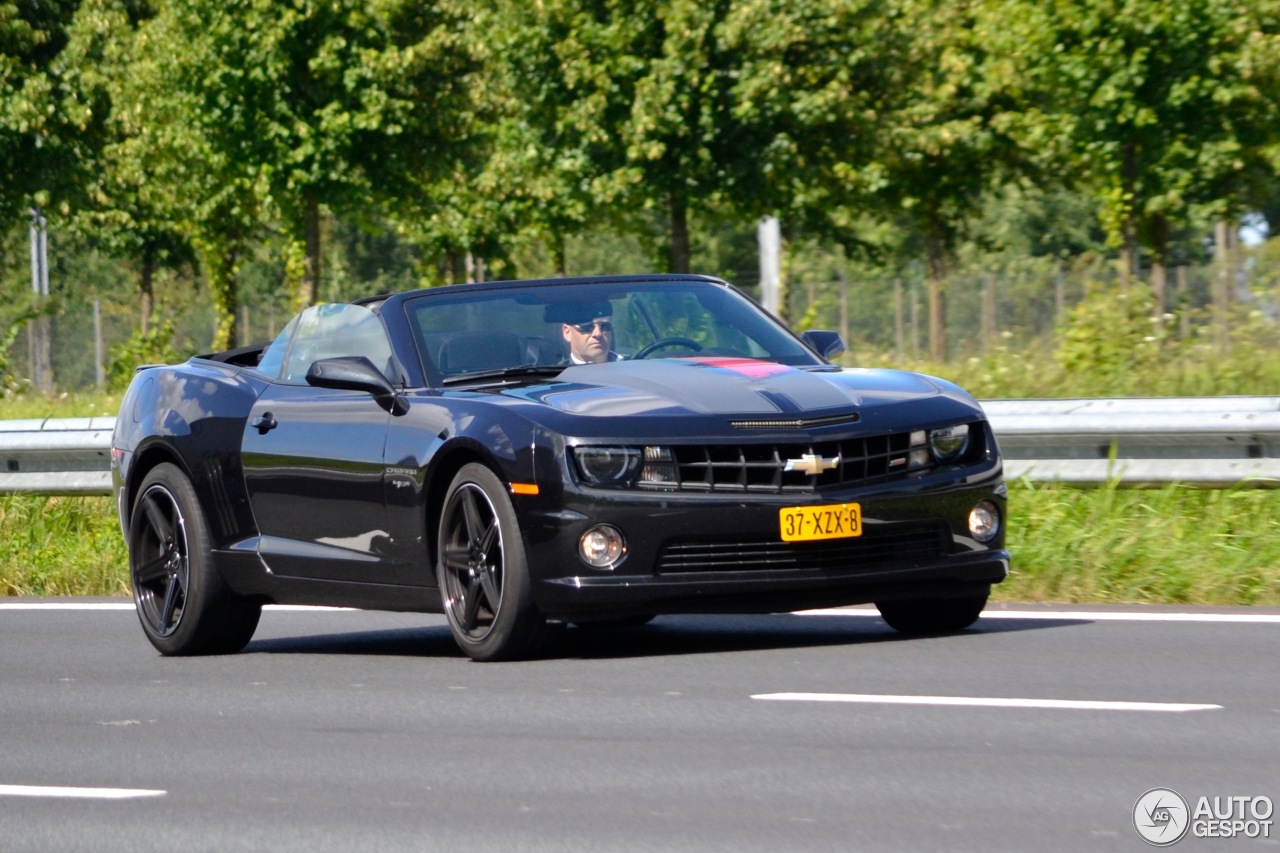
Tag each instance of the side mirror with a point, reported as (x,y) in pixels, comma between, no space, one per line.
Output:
(826,344)
(355,373)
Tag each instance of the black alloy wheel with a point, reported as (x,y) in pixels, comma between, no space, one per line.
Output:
(932,615)
(483,574)
(183,604)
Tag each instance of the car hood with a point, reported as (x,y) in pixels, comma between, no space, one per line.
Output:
(732,386)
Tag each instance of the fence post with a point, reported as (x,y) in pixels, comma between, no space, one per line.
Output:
(99,370)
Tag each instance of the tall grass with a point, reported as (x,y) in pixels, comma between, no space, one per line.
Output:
(1169,546)
(81,404)
(61,546)
(1174,545)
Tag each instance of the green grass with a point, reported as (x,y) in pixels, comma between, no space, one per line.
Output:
(1169,546)
(68,405)
(1174,545)
(61,546)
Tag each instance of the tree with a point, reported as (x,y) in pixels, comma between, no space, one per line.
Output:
(37,139)
(653,110)
(257,111)
(125,210)
(945,131)
(1166,110)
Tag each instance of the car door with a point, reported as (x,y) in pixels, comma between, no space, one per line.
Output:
(313,458)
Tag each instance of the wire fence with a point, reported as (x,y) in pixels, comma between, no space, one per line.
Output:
(83,338)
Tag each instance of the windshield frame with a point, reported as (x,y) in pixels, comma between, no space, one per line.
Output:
(765,337)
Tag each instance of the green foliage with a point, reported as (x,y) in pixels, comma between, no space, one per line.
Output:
(1111,334)
(154,346)
(1160,109)
(298,150)
(9,331)
(38,141)
(61,546)
(1169,546)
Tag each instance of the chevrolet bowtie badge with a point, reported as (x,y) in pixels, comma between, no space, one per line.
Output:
(811,464)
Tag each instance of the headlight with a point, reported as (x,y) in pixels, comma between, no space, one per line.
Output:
(659,468)
(607,466)
(949,443)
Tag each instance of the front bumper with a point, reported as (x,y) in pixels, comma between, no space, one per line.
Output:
(722,553)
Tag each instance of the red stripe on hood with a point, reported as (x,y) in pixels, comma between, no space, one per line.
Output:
(749,367)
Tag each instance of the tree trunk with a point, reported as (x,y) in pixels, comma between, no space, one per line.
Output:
(558,255)
(678,253)
(145,285)
(937,299)
(899,322)
(988,321)
(309,286)
(1159,266)
(220,258)
(1223,262)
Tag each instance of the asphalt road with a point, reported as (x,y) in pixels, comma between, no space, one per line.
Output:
(342,730)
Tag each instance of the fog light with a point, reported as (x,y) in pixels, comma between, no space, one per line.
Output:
(602,547)
(984,521)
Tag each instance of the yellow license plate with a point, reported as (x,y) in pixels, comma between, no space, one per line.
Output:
(811,523)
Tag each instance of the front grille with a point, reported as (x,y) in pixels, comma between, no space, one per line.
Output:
(890,545)
(761,467)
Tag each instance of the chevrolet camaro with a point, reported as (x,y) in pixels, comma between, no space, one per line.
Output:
(527,455)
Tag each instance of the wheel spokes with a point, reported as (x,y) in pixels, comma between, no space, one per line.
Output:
(160,524)
(171,602)
(471,605)
(471,516)
(155,569)
(161,579)
(472,561)
(489,582)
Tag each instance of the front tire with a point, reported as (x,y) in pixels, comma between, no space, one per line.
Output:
(932,615)
(483,572)
(183,604)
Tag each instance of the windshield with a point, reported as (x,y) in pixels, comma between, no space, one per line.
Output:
(480,331)
(327,331)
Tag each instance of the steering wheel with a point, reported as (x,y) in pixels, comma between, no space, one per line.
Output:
(663,343)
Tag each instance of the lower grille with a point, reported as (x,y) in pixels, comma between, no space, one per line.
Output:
(893,545)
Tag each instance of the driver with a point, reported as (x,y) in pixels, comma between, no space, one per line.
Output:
(591,338)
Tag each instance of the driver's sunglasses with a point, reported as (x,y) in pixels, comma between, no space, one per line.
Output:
(606,326)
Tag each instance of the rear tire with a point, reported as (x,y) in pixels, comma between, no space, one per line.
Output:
(932,615)
(483,572)
(183,604)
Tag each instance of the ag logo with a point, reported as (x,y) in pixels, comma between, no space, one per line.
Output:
(1161,817)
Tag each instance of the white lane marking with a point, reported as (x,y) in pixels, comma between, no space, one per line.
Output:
(79,793)
(70,605)
(119,605)
(987,702)
(1086,615)
(1090,615)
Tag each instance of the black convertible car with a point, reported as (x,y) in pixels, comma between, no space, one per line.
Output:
(526,455)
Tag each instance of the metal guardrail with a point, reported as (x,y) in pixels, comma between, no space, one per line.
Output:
(56,456)
(1213,442)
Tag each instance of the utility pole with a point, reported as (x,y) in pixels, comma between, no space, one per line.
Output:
(38,337)
(769,235)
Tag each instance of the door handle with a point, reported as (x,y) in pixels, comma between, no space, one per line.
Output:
(263,423)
